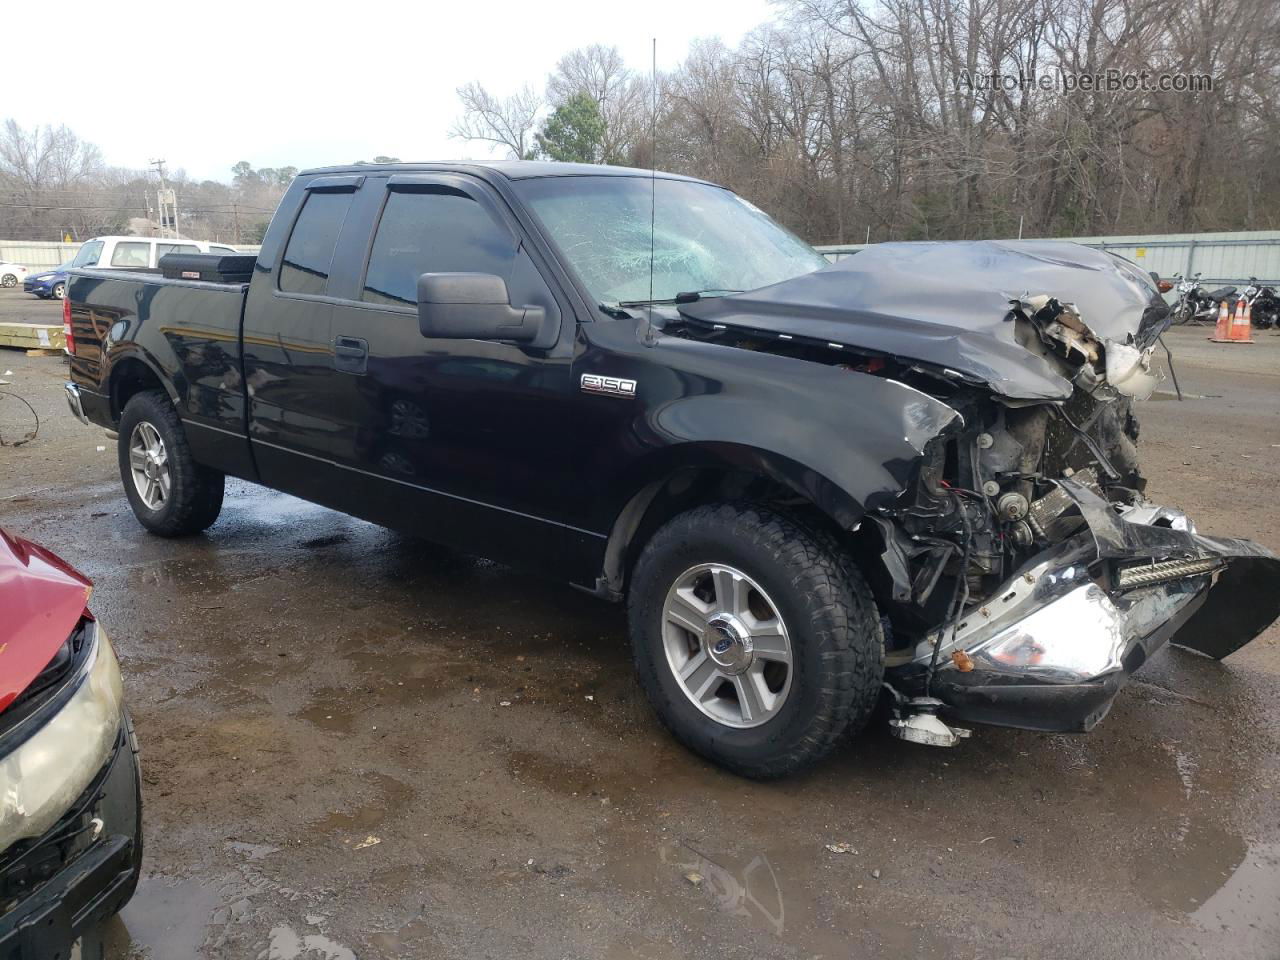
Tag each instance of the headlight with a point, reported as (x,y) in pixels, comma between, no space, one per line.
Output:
(41,779)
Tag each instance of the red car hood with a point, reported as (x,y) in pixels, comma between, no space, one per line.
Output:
(42,597)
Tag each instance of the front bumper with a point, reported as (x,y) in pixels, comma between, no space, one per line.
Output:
(58,887)
(1055,644)
(70,826)
(41,288)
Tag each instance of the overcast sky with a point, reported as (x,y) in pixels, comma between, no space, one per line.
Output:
(309,84)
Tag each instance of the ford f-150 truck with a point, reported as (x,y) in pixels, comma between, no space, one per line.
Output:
(908,478)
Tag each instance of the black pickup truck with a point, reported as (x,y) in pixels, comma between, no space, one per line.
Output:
(908,478)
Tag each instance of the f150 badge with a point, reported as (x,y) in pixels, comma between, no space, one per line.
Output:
(613,386)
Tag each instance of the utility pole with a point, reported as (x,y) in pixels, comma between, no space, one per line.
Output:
(166,200)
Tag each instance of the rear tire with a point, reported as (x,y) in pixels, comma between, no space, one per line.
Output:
(820,606)
(171,494)
(8,280)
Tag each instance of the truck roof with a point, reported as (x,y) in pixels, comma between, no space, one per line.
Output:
(511,169)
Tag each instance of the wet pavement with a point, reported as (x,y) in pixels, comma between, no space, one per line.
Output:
(360,745)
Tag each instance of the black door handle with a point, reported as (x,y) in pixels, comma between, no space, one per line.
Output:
(350,354)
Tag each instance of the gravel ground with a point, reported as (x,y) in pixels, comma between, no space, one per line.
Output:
(360,745)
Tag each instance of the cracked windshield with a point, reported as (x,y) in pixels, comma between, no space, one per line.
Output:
(704,239)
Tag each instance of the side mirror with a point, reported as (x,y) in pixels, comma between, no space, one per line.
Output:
(473,306)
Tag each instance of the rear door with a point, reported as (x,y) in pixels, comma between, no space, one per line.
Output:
(287,346)
(464,441)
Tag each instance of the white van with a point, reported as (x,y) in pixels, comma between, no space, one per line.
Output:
(133,253)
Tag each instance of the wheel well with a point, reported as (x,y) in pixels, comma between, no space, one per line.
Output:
(685,489)
(130,376)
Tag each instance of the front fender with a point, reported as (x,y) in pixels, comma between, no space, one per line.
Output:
(846,441)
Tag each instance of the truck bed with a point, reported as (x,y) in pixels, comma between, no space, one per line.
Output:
(186,334)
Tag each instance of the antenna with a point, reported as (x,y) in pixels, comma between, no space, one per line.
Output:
(653,165)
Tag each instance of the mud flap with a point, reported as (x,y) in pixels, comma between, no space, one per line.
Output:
(1244,598)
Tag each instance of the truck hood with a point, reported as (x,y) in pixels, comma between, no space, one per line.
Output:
(42,598)
(952,306)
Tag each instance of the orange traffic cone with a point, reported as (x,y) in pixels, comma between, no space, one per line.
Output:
(1242,325)
(1222,332)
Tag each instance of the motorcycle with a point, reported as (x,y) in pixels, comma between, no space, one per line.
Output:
(1196,303)
(1264,305)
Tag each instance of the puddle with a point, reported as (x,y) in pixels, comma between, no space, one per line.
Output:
(1245,907)
(394,799)
(285,944)
(751,893)
(171,919)
(561,776)
(327,712)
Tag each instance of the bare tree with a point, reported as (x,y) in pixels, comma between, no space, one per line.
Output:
(504,121)
(46,156)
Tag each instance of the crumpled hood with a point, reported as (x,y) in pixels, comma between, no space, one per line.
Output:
(41,599)
(949,305)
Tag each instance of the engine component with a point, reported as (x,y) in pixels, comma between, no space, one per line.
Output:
(1045,514)
(1012,506)
(1021,534)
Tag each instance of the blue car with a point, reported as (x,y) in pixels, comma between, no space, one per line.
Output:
(53,283)
(48,283)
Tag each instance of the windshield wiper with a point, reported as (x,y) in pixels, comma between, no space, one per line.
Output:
(692,296)
(613,310)
(687,296)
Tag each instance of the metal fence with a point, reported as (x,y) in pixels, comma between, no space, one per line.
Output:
(1218,257)
(37,254)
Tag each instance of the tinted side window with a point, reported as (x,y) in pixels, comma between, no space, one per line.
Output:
(433,230)
(163,248)
(128,254)
(309,253)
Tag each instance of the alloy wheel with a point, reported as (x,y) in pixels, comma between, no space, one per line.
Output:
(149,465)
(727,645)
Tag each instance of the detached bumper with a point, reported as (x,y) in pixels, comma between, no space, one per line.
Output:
(1052,648)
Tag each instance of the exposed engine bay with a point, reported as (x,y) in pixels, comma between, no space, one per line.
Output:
(1023,575)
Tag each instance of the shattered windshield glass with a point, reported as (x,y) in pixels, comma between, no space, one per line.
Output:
(705,239)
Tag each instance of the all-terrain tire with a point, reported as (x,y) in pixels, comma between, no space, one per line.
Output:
(834,627)
(195,491)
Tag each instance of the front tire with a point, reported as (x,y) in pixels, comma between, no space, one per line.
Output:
(8,280)
(59,291)
(171,494)
(757,642)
